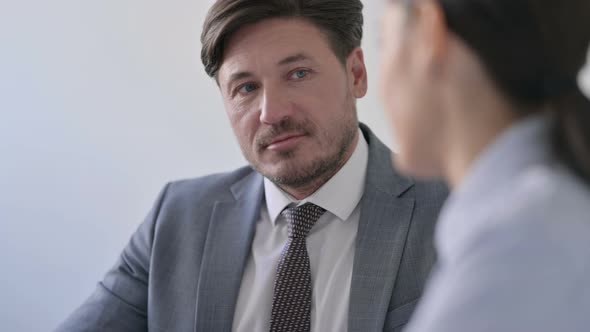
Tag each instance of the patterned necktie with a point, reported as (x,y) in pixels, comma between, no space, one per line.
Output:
(291,304)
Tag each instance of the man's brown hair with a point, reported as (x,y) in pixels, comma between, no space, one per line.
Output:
(340,20)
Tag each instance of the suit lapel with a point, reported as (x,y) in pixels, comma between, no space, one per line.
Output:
(229,238)
(383,227)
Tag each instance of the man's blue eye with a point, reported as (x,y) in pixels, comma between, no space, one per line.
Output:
(246,88)
(299,74)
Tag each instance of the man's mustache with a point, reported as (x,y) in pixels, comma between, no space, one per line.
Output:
(285,127)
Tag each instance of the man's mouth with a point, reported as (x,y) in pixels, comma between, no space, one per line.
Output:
(285,142)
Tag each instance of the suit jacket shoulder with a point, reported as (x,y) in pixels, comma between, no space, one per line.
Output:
(206,188)
(155,282)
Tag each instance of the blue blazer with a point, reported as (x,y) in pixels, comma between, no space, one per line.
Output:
(182,269)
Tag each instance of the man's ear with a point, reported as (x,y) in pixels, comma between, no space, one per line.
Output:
(358,72)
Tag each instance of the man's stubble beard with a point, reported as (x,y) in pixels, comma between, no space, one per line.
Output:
(318,171)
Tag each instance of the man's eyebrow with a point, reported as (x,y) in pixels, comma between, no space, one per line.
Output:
(237,76)
(294,58)
(240,75)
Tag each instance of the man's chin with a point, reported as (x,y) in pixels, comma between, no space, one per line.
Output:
(294,171)
(280,163)
(284,172)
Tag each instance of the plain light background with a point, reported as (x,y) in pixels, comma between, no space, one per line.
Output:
(101,104)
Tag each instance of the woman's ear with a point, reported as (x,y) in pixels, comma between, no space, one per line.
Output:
(431,34)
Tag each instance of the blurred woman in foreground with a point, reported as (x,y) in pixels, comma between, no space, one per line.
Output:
(484,93)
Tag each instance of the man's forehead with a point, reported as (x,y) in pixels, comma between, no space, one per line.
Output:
(271,43)
(267,55)
(277,59)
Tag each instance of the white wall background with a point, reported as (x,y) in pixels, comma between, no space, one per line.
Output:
(102,103)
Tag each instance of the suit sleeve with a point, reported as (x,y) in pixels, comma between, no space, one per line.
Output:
(119,302)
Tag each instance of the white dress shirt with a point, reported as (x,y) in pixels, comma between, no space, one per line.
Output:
(330,244)
(513,243)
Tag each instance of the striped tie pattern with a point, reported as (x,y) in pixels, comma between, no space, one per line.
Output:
(291,306)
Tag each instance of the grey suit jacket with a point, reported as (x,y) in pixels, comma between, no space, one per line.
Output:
(182,269)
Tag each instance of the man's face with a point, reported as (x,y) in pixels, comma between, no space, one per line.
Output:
(290,101)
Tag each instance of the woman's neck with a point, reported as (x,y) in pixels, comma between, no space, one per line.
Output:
(479,123)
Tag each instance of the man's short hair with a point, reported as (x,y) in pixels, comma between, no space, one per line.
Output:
(340,20)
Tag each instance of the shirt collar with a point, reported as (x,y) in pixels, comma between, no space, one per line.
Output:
(339,196)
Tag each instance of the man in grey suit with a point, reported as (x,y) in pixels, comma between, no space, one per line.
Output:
(318,234)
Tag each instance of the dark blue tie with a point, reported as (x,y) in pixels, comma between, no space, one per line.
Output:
(291,305)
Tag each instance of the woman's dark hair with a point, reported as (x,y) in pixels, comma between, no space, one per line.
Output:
(340,20)
(534,50)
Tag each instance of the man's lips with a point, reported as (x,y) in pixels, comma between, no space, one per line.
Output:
(284,141)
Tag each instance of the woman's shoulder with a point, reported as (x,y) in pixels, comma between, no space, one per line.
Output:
(547,207)
(550,191)
(544,209)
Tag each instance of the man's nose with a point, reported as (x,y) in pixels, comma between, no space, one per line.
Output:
(275,107)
